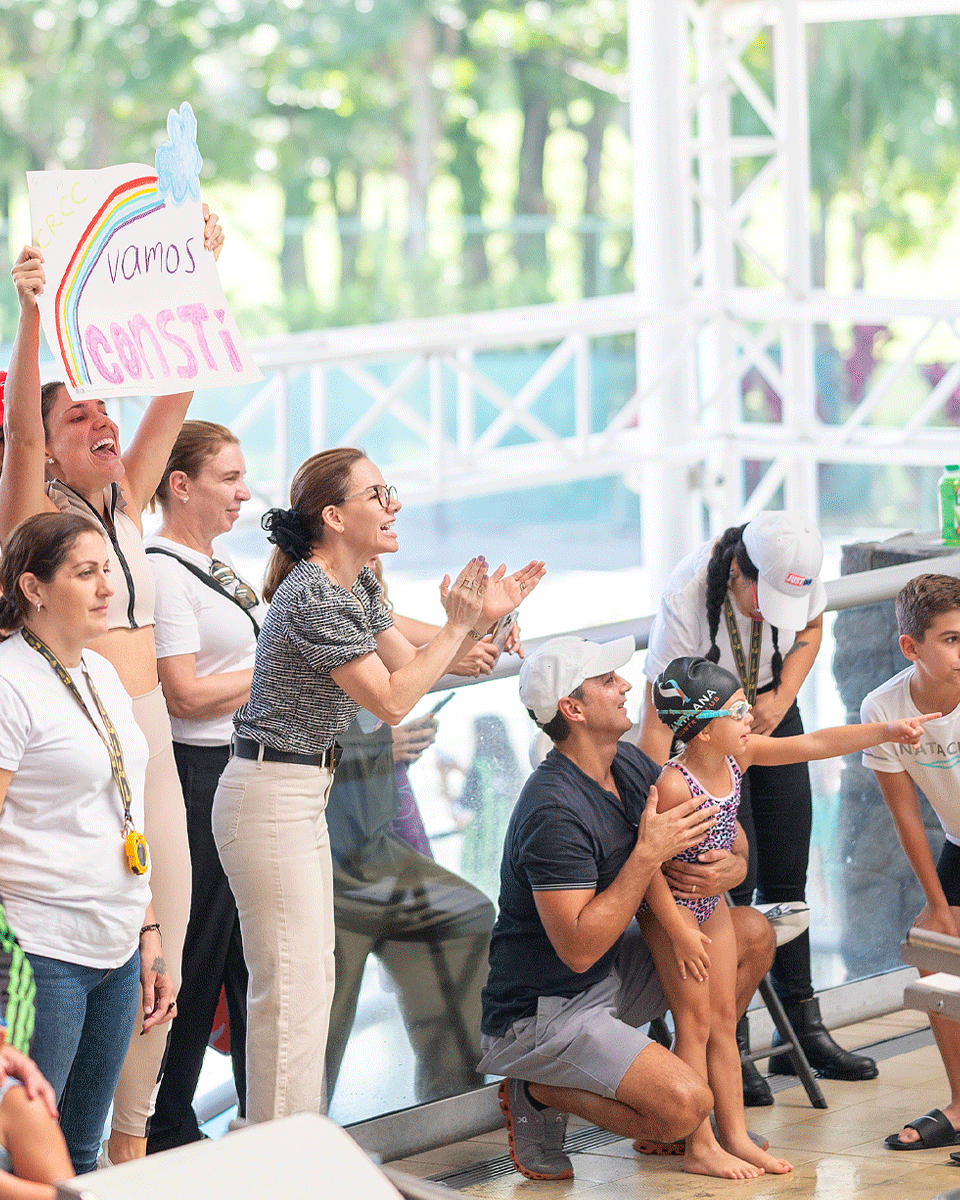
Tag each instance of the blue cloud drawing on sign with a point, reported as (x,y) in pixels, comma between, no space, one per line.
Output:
(178,160)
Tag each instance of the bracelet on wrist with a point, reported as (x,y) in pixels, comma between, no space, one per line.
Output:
(150,928)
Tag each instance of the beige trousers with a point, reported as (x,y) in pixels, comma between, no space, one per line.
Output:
(165,828)
(271,832)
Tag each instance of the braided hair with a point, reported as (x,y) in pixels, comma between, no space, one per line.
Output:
(729,548)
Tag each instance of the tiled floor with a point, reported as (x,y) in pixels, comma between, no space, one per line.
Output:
(837,1153)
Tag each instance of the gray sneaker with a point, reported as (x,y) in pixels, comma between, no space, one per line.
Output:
(536,1137)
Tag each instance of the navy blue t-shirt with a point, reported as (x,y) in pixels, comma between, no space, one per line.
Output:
(566,833)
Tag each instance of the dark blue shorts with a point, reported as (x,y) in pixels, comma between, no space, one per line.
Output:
(948,871)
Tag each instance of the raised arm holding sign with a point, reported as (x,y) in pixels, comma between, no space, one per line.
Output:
(123,279)
(132,303)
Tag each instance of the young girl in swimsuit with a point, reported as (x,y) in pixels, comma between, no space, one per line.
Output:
(704,705)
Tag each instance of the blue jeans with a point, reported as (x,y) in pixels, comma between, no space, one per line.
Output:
(85,1017)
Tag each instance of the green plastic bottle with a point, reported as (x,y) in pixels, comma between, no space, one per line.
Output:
(948,487)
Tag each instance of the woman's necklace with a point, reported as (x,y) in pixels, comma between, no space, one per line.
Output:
(329,572)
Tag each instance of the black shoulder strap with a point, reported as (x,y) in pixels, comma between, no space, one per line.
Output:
(209,581)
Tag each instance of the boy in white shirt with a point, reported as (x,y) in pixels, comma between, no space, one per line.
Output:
(928,618)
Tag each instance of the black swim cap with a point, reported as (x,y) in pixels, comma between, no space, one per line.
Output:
(687,693)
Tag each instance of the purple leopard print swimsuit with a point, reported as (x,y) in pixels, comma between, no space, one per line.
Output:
(721,836)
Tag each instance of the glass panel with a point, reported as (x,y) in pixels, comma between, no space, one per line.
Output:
(413,933)
(862,892)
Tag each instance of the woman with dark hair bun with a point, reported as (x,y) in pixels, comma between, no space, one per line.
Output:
(738,601)
(327,647)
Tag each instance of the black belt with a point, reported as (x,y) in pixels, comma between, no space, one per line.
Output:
(248,748)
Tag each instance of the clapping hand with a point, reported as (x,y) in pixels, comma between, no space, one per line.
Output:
(504,592)
(463,598)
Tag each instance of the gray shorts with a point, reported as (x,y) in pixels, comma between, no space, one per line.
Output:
(588,1041)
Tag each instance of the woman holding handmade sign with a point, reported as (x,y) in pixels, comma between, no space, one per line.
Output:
(65,455)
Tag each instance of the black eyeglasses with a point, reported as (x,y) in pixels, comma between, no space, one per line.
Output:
(230,581)
(386,495)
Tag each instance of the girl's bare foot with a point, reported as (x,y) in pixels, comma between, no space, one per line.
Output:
(747,1151)
(714,1160)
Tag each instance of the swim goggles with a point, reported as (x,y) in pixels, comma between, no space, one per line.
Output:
(738,711)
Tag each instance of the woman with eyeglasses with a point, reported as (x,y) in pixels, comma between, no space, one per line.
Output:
(327,647)
(207,621)
(64,455)
(733,601)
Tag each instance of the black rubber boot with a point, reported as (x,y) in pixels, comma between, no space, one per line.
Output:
(828,1060)
(756,1090)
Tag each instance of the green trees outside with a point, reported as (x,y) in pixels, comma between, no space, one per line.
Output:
(400,158)
(885,116)
(393,139)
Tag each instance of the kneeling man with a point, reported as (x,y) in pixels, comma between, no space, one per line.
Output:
(571,977)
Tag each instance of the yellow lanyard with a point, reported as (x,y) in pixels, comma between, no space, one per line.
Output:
(748,674)
(136,846)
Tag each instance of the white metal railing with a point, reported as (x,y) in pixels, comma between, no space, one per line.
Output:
(849,591)
(459,425)
(464,434)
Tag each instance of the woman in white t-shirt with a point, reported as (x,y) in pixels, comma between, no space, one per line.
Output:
(753,601)
(206,632)
(74,871)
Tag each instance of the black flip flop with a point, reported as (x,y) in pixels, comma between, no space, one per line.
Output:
(934,1130)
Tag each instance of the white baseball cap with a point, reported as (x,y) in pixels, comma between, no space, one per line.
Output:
(788,553)
(559,666)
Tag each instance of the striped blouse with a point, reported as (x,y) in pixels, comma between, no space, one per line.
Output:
(312,627)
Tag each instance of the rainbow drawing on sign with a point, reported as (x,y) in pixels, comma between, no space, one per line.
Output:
(130,202)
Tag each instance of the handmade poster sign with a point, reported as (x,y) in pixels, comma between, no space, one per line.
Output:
(133,303)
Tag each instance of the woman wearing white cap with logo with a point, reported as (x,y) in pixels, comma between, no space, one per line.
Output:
(753,601)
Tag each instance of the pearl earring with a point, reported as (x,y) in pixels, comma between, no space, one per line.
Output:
(183,499)
(38,606)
